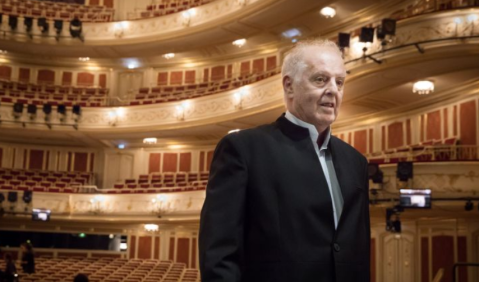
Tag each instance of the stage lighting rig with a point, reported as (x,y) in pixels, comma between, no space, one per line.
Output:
(469,206)
(76,29)
(32,111)
(393,225)
(43,25)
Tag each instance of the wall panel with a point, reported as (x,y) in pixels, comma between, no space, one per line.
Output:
(154,162)
(395,135)
(183,251)
(144,247)
(360,140)
(433,126)
(80,162)
(468,126)
(185,162)
(36,159)
(443,256)
(170,162)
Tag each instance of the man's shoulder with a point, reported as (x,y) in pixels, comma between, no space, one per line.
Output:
(347,148)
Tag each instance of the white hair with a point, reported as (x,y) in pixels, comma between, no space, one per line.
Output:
(293,63)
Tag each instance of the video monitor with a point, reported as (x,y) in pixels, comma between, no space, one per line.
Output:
(415,198)
(40,215)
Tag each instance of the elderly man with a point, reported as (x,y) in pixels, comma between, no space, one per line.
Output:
(288,201)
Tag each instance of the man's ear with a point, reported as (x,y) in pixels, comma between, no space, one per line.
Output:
(288,86)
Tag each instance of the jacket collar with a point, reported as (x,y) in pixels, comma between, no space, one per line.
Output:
(292,130)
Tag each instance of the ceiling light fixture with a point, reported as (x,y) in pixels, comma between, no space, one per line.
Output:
(84,59)
(151,140)
(239,43)
(151,227)
(423,87)
(3,52)
(169,56)
(328,12)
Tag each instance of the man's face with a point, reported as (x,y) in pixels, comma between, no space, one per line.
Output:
(316,93)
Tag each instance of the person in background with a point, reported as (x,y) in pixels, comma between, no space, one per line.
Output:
(80,277)
(28,258)
(10,273)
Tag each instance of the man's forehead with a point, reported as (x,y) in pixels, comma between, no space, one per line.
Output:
(328,60)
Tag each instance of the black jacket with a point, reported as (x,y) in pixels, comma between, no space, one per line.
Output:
(268,214)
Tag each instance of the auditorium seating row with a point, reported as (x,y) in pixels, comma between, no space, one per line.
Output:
(56,10)
(47,88)
(170,7)
(430,150)
(45,175)
(169,177)
(107,270)
(163,94)
(52,99)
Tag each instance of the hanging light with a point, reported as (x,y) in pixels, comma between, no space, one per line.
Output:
(151,140)
(328,12)
(169,56)
(84,59)
(151,227)
(239,43)
(423,87)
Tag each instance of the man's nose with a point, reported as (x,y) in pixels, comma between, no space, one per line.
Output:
(332,87)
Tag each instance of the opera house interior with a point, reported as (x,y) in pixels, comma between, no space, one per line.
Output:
(110,112)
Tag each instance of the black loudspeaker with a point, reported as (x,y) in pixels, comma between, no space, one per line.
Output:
(12,197)
(2,198)
(12,22)
(374,173)
(367,34)
(27,197)
(404,171)
(28,22)
(76,109)
(343,40)
(387,27)
(58,25)
(47,109)
(43,25)
(32,109)
(18,108)
(62,109)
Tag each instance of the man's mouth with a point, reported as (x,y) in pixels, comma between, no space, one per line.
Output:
(329,105)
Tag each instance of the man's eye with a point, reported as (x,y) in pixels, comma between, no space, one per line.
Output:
(321,79)
(340,82)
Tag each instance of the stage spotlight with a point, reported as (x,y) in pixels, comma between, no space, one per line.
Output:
(367,35)
(58,25)
(32,110)
(12,197)
(62,109)
(374,173)
(343,40)
(28,22)
(76,28)
(404,171)
(43,25)
(17,110)
(27,197)
(12,22)
(469,206)
(76,110)
(387,27)
(47,109)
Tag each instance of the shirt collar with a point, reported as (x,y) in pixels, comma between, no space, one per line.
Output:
(313,132)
